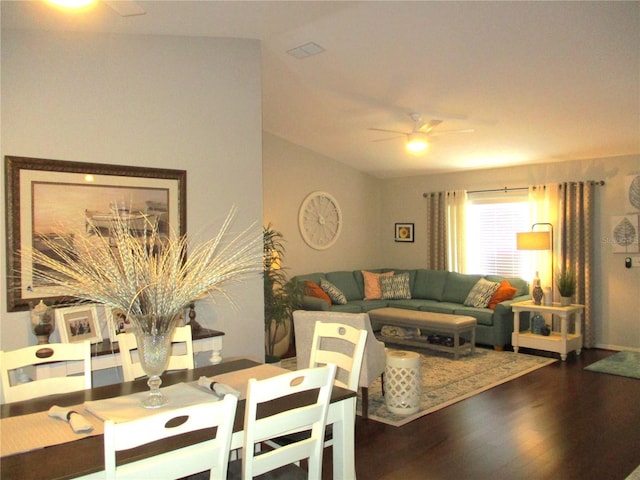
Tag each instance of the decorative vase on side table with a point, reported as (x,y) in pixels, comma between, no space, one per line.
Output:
(42,323)
(537,292)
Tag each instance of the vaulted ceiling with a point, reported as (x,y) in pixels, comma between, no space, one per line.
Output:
(535,81)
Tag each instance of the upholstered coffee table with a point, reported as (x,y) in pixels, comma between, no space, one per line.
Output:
(454,325)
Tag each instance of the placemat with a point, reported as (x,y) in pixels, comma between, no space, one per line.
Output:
(128,407)
(39,430)
(239,379)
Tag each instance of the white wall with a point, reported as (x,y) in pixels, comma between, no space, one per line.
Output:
(151,101)
(617,289)
(292,172)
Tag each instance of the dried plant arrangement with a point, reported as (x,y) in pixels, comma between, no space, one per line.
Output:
(151,277)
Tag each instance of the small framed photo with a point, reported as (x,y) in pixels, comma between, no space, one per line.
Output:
(77,324)
(404,232)
(119,321)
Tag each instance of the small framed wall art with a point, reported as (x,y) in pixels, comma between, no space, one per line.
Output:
(404,232)
(77,324)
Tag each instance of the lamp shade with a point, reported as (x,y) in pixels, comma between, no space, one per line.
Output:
(533,241)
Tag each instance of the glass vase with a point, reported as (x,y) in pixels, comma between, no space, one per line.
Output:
(153,351)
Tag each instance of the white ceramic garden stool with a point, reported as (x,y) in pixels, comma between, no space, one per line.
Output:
(402,381)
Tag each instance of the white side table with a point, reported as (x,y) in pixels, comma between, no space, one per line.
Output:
(561,342)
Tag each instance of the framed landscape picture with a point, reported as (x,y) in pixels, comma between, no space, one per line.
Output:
(54,198)
(77,324)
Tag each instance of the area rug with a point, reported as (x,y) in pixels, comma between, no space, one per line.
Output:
(625,364)
(446,381)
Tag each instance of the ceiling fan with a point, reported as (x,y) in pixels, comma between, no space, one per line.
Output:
(124,8)
(417,139)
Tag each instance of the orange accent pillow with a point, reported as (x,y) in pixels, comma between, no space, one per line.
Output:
(372,288)
(313,290)
(505,292)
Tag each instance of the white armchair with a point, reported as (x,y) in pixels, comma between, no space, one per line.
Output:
(374,360)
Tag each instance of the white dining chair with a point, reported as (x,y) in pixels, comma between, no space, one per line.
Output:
(262,425)
(131,367)
(374,357)
(212,455)
(23,358)
(342,345)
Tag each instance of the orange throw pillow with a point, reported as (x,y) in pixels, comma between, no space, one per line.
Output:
(505,292)
(313,290)
(372,288)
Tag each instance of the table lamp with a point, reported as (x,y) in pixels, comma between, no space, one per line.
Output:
(537,241)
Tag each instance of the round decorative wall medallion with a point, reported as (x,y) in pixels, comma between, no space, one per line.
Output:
(320,220)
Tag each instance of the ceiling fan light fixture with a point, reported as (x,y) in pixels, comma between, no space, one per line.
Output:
(72,3)
(416,143)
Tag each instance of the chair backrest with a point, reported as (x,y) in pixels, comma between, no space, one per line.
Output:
(11,361)
(131,367)
(374,360)
(346,351)
(312,416)
(211,454)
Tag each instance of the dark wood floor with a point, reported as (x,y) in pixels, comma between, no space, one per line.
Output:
(559,422)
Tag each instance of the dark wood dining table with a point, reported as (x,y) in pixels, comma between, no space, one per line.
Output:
(84,458)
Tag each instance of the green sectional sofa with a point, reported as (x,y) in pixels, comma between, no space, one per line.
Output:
(430,290)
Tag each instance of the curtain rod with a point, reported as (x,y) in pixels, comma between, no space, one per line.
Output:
(513,189)
(505,190)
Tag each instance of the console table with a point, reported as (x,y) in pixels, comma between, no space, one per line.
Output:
(561,342)
(106,354)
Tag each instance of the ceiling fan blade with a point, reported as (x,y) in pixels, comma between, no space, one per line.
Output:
(388,138)
(446,132)
(387,131)
(426,128)
(125,8)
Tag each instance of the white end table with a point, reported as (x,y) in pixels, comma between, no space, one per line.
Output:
(561,342)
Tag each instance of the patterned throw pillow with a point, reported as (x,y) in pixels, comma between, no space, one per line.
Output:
(372,289)
(481,293)
(395,287)
(334,292)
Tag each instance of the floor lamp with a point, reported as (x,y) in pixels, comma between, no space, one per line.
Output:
(537,241)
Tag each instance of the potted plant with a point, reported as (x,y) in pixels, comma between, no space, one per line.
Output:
(281,296)
(566,286)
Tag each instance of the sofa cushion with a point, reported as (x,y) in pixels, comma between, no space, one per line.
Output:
(350,307)
(522,287)
(429,284)
(314,277)
(372,286)
(504,292)
(395,287)
(366,305)
(346,282)
(334,292)
(314,290)
(458,286)
(481,293)
(483,316)
(438,307)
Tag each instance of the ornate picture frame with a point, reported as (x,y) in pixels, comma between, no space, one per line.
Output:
(404,232)
(42,193)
